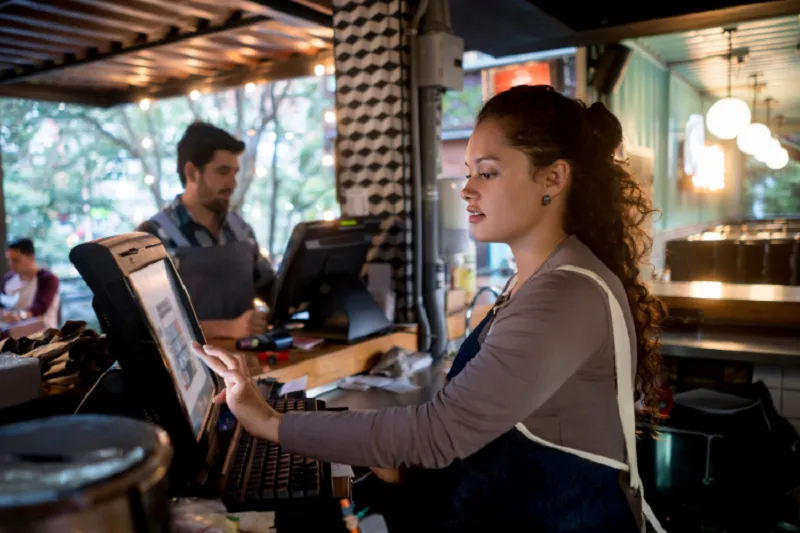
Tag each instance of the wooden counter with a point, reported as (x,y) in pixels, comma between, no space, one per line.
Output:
(330,362)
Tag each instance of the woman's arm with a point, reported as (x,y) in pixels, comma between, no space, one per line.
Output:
(541,338)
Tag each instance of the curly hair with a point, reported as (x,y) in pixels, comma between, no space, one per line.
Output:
(606,207)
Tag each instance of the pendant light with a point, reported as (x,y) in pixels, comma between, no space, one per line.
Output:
(728,116)
(755,135)
(777,156)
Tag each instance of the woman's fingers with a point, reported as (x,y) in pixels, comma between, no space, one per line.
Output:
(214,362)
(227,358)
(221,397)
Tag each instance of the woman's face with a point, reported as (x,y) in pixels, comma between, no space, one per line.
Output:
(503,198)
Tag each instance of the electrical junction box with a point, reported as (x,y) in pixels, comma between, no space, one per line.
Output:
(440,61)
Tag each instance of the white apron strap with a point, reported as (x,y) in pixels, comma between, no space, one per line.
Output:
(238,226)
(172,231)
(623,361)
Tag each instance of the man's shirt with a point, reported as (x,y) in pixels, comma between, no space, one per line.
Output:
(200,236)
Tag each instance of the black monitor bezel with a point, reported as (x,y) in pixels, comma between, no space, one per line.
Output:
(131,253)
(308,231)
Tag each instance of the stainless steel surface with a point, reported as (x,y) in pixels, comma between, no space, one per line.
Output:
(471,306)
(88,473)
(714,290)
(751,347)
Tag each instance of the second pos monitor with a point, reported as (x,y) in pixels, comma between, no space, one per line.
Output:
(320,276)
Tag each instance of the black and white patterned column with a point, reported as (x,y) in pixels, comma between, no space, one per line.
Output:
(373,157)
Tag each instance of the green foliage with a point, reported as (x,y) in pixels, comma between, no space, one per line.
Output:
(74,173)
(459,109)
(772,192)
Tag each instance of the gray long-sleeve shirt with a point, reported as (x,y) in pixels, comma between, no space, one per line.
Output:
(547,361)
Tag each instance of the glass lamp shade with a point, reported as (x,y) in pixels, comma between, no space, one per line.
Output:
(752,137)
(767,149)
(778,159)
(728,117)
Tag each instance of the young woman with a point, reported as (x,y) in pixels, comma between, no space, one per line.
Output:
(535,426)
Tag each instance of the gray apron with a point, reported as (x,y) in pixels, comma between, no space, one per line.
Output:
(219,279)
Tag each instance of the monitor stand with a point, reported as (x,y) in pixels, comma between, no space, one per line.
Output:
(344,310)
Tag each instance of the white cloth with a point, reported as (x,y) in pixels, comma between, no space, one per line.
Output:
(20,294)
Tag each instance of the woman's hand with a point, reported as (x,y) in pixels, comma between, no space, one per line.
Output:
(240,392)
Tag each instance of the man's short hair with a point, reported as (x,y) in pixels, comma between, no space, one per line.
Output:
(23,246)
(199,143)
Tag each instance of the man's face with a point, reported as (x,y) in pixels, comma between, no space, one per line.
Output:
(19,262)
(216,181)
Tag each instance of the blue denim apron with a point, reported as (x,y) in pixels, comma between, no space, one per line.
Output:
(514,480)
(523,481)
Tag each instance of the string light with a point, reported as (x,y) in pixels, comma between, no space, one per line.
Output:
(147,142)
(327,160)
(149,179)
(319,69)
(195,94)
(144,104)
(329,117)
(249,88)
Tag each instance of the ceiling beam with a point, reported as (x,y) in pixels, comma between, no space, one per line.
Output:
(677,24)
(172,38)
(268,71)
(33,91)
(289,11)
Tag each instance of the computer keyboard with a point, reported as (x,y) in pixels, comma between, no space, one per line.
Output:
(262,473)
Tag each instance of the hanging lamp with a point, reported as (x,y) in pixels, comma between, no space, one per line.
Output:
(754,135)
(728,116)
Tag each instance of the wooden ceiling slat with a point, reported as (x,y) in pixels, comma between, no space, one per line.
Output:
(137,81)
(26,30)
(287,11)
(16,60)
(188,49)
(30,54)
(241,43)
(163,64)
(212,13)
(8,41)
(168,53)
(145,11)
(131,48)
(265,40)
(52,22)
(106,21)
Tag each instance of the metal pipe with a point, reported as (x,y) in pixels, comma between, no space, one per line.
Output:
(436,19)
(473,303)
(423,324)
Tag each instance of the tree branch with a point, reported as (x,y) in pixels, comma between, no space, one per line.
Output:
(105,133)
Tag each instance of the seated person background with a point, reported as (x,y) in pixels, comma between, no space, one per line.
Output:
(28,290)
(214,250)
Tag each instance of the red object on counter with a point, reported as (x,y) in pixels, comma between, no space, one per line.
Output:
(273,357)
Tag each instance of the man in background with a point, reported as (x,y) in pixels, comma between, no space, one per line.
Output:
(28,290)
(214,250)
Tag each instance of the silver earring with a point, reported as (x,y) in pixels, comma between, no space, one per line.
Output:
(546,199)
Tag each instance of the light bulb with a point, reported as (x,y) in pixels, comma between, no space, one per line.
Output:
(778,159)
(728,117)
(753,137)
(766,150)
